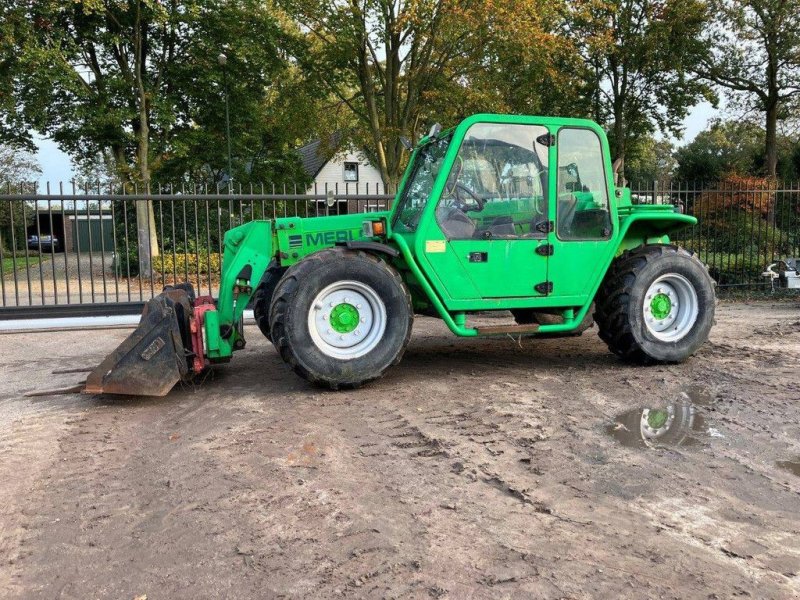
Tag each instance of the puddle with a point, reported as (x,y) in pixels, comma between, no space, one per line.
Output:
(793,466)
(675,424)
(699,395)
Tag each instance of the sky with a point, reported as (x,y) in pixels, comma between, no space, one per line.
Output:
(56,166)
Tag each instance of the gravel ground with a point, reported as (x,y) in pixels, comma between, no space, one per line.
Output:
(476,469)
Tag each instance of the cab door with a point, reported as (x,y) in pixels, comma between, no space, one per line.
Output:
(493,215)
(582,245)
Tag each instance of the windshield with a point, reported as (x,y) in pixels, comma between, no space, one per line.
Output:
(419,185)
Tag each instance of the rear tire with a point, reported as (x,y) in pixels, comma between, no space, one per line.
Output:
(656,304)
(340,318)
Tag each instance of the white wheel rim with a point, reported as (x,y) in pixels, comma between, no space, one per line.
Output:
(347,320)
(670,307)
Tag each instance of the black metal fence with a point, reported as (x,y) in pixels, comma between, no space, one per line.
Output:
(81,247)
(744,224)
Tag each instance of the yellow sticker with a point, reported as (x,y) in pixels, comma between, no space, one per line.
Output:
(435,246)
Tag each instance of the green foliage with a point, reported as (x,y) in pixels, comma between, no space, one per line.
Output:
(650,160)
(17,165)
(725,148)
(732,268)
(741,232)
(396,68)
(179,264)
(754,54)
(640,53)
(733,148)
(138,83)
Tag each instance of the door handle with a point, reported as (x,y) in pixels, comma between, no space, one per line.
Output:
(475,257)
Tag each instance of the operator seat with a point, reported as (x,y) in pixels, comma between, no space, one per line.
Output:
(565,214)
(500,227)
(454,223)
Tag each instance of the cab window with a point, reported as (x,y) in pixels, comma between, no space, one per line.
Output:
(418,188)
(582,201)
(497,185)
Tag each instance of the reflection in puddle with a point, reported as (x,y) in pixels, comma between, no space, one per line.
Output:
(793,466)
(677,424)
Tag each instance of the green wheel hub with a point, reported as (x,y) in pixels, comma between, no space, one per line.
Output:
(344,318)
(660,306)
(657,418)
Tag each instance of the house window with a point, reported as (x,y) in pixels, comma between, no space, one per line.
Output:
(351,171)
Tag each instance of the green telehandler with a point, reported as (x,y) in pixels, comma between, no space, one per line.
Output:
(512,213)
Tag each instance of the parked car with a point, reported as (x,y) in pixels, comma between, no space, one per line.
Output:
(47,242)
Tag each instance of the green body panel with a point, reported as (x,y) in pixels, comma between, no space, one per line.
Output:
(456,276)
(297,237)
(249,247)
(256,244)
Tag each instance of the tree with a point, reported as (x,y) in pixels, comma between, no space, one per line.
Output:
(137,83)
(12,127)
(639,53)
(393,64)
(17,167)
(650,160)
(733,148)
(725,148)
(519,59)
(754,54)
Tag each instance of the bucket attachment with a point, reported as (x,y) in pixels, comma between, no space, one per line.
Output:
(156,356)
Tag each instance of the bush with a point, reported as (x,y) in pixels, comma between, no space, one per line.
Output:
(190,262)
(168,264)
(741,233)
(738,218)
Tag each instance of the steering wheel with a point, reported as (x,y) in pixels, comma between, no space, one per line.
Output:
(461,204)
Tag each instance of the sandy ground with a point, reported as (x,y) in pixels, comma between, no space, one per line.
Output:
(475,469)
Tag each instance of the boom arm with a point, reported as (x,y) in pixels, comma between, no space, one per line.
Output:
(249,249)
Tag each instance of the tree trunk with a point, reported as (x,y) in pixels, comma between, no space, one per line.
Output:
(145,215)
(771,140)
(619,149)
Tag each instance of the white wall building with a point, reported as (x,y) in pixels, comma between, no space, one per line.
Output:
(341,170)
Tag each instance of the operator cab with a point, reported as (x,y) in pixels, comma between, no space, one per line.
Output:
(487,204)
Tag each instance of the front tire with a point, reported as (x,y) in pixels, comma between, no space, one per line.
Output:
(340,318)
(655,305)
(262,298)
